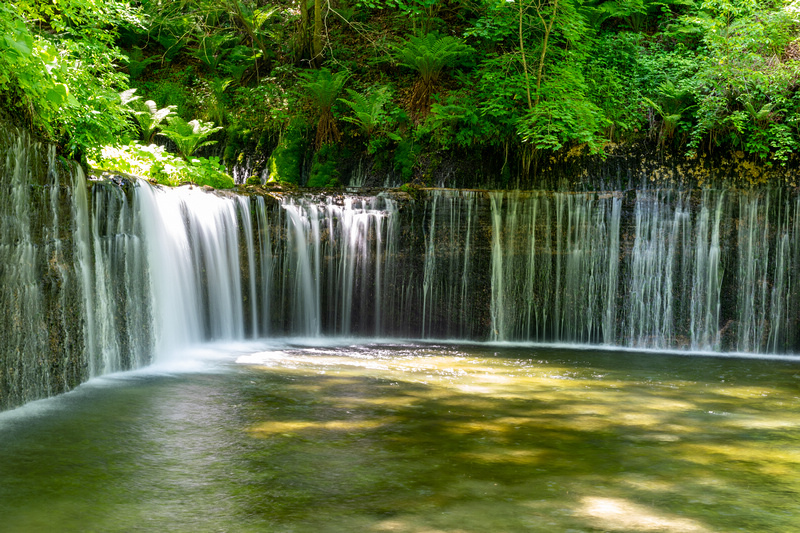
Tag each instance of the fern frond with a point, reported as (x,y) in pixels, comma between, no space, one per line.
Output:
(429,56)
(368,110)
(189,136)
(323,86)
(150,117)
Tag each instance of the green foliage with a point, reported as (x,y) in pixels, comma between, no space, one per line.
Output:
(322,88)
(137,62)
(372,118)
(742,87)
(173,90)
(148,116)
(209,171)
(189,136)
(368,111)
(615,76)
(673,107)
(212,101)
(405,158)
(31,72)
(57,69)
(155,163)
(285,163)
(698,74)
(564,115)
(457,122)
(429,56)
(421,13)
(634,14)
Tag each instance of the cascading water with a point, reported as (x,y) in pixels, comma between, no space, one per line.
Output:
(42,349)
(114,277)
(333,265)
(652,270)
(554,266)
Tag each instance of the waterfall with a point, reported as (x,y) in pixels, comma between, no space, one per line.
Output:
(42,350)
(658,269)
(118,301)
(767,271)
(675,280)
(334,264)
(266,268)
(554,266)
(115,274)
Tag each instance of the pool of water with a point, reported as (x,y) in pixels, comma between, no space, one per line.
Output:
(413,437)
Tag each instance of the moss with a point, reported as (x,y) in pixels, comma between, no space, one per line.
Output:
(325,166)
(405,157)
(285,163)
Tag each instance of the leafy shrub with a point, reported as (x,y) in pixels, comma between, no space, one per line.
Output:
(564,115)
(66,87)
(154,162)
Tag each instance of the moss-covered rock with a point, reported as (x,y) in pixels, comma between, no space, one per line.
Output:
(286,162)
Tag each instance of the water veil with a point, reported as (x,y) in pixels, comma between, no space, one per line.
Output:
(113,274)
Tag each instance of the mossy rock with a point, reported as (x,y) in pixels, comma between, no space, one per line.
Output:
(326,165)
(286,162)
(405,158)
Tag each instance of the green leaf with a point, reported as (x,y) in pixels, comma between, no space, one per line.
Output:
(57,95)
(22,43)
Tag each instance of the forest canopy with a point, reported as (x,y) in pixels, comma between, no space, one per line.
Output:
(307,85)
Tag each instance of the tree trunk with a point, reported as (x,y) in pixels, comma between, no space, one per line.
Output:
(317,49)
(524,62)
(548,28)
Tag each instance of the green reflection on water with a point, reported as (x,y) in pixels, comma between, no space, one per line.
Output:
(417,438)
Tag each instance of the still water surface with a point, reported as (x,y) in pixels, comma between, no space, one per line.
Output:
(413,438)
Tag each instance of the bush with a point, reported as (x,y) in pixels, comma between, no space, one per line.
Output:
(155,163)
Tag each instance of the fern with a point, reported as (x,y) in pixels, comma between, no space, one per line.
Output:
(367,110)
(188,136)
(762,116)
(137,62)
(148,115)
(429,56)
(672,105)
(213,49)
(323,87)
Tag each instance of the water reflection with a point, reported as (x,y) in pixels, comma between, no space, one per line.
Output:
(412,438)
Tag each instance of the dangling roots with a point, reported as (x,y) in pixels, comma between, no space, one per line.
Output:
(421,97)
(327,132)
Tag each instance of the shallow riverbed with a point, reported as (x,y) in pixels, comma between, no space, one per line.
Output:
(412,437)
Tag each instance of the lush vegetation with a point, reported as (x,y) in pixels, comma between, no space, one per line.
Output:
(307,88)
